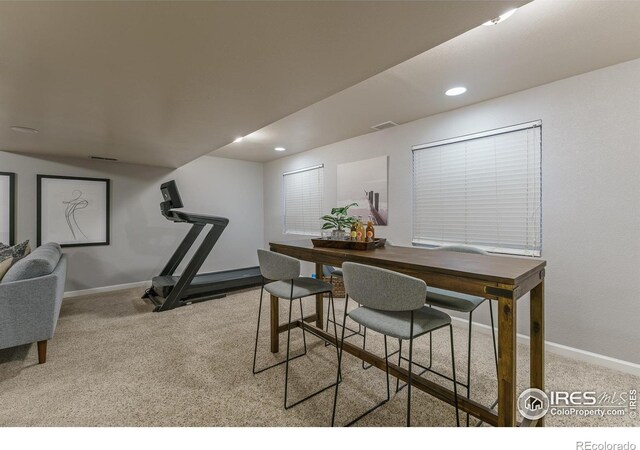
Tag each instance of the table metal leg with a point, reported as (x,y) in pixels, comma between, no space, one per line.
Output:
(319,299)
(275,324)
(506,362)
(537,339)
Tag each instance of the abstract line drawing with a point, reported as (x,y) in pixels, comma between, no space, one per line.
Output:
(73,211)
(72,206)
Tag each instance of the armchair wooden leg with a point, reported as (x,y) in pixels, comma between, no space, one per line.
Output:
(42,352)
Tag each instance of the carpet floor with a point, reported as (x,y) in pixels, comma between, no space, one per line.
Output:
(113,362)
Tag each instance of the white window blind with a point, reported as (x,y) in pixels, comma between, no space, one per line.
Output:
(303,201)
(483,190)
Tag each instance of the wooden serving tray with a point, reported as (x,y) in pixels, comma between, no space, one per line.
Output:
(349,245)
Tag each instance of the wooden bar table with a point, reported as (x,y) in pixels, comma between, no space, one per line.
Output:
(504,279)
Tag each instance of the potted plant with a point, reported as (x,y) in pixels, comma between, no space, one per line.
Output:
(338,221)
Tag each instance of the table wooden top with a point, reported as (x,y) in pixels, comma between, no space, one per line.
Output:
(495,268)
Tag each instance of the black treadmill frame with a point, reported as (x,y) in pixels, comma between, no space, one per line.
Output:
(179,290)
(179,293)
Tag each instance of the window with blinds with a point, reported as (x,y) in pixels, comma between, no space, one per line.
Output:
(483,190)
(303,201)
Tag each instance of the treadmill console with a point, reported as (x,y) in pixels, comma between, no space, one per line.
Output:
(172,201)
(171,196)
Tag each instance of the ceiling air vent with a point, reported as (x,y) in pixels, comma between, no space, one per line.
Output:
(102,158)
(384,125)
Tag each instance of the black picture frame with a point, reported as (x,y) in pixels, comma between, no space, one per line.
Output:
(12,206)
(107,181)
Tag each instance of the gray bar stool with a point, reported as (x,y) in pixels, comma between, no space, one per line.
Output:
(286,283)
(455,301)
(393,305)
(362,331)
(332,272)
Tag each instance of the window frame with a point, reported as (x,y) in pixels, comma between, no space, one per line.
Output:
(536,253)
(284,199)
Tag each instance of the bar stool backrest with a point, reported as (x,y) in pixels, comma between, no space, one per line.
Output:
(383,289)
(276,267)
(462,249)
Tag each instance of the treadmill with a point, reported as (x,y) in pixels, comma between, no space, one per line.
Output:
(169,291)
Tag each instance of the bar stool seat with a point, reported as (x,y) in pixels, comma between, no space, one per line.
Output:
(453,301)
(397,324)
(337,273)
(302,287)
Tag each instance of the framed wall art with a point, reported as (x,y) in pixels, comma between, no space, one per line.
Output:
(365,182)
(7,208)
(73,211)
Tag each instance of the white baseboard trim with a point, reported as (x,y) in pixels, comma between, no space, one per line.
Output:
(570,352)
(100,290)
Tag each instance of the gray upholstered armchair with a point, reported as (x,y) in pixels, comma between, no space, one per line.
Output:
(30,298)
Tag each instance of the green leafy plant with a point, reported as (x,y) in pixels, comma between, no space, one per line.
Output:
(339,218)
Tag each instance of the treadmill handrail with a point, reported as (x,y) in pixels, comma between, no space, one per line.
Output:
(181,216)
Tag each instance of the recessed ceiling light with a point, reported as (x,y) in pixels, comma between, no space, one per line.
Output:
(279,149)
(238,139)
(500,18)
(26,130)
(456,91)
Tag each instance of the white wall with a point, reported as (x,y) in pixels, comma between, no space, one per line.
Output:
(591,196)
(141,239)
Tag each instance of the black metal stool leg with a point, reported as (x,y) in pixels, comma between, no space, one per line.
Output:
(495,346)
(425,368)
(286,381)
(326,328)
(453,368)
(493,335)
(338,375)
(430,350)
(304,334)
(386,365)
(335,328)
(410,372)
(399,364)
(430,347)
(330,307)
(255,349)
(286,373)
(364,347)
(469,360)
(364,343)
(370,410)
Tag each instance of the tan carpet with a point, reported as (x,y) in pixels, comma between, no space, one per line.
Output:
(115,363)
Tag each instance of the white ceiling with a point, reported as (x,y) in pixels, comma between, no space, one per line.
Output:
(165,82)
(545,41)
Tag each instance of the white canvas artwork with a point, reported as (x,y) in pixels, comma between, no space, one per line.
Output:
(5,208)
(73,211)
(365,183)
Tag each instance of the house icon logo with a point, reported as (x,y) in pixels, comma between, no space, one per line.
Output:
(533,404)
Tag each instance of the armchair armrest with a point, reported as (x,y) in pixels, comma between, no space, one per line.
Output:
(29,308)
